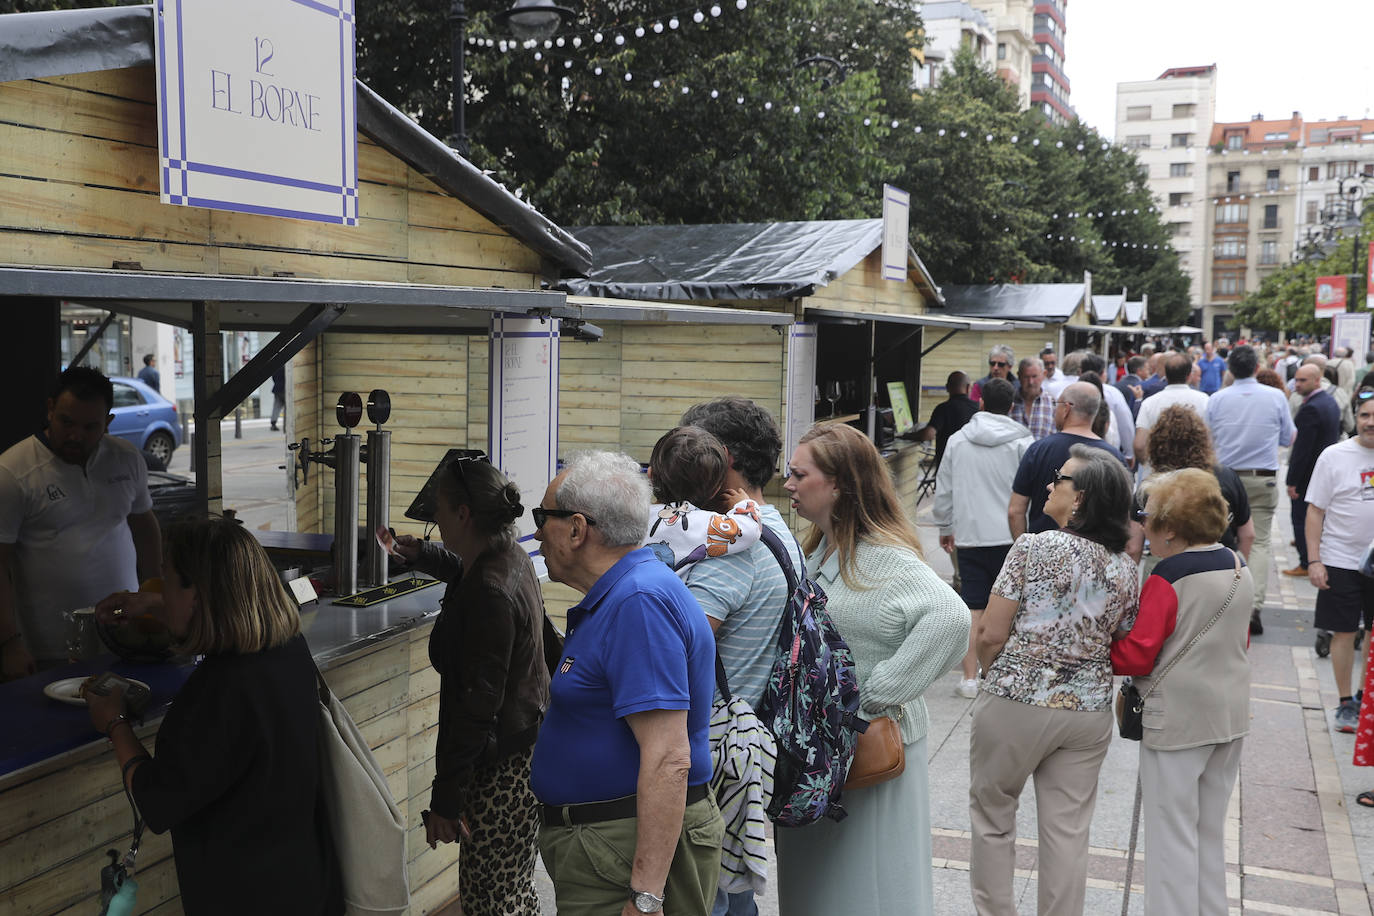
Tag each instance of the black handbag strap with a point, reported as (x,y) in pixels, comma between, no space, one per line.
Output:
(1155,682)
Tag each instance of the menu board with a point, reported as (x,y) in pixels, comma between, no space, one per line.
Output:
(523,403)
(801,387)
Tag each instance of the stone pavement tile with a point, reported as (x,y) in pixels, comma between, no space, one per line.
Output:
(1275,752)
(1264,890)
(1282,829)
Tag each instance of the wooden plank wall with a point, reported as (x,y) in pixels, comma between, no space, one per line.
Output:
(968,351)
(864,289)
(56,824)
(427,378)
(80,189)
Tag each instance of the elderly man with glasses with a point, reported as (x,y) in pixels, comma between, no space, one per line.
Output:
(625,745)
(1074,412)
(1000,363)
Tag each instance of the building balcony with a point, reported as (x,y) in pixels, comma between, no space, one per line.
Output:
(1248,188)
(1051,8)
(1041,63)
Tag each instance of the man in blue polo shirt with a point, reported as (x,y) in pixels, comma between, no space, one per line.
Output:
(1213,369)
(625,744)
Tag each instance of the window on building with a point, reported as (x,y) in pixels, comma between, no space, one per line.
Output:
(1184,110)
(1369,169)
(1312,210)
(1235,141)
(1229,249)
(1269,251)
(1233,181)
(1271,216)
(1271,180)
(1228,283)
(1276,135)
(1180,169)
(1314,173)
(1178,198)
(1233,213)
(1180,139)
(1138,141)
(1001,50)
(1138,113)
(1178,230)
(1333,206)
(1342,169)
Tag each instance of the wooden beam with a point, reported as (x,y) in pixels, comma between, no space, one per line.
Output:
(209,363)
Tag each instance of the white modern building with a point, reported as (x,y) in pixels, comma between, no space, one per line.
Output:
(951,26)
(1167,121)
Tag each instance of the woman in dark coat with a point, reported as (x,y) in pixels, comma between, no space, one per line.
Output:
(487,646)
(236,775)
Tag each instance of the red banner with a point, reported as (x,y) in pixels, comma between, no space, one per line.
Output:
(1330,296)
(1369,276)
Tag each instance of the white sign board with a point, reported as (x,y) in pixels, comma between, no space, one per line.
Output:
(801,387)
(256,107)
(896,220)
(1351,329)
(523,407)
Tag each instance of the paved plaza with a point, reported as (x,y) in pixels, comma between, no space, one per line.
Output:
(1296,842)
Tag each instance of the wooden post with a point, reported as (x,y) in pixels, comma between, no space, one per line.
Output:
(209,378)
(30,367)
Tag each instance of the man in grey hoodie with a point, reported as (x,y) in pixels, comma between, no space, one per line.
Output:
(972,488)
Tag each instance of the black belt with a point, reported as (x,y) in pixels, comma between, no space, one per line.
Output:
(596,812)
(1255,472)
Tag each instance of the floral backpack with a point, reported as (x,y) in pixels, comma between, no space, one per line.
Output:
(810,704)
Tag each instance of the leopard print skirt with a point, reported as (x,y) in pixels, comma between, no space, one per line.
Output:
(496,864)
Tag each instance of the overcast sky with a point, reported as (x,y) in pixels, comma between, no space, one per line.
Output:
(1273,57)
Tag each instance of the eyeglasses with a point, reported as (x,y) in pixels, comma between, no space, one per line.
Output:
(543,515)
(1062,402)
(1058,477)
(999,364)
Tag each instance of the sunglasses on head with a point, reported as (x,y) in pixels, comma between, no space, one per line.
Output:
(1364,394)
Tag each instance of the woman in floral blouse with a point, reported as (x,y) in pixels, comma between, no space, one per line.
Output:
(1044,710)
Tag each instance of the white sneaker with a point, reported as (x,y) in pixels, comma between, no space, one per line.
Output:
(967,688)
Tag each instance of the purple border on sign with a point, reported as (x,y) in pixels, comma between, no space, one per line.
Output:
(902,199)
(348,193)
(496,384)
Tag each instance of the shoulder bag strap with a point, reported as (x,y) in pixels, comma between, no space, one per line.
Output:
(780,553)
(1192,642)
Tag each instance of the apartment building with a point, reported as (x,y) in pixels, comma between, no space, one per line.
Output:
(952,26)
(1254,171)
(1167,121)
(1049,84)
(1333,152)
(1016,49)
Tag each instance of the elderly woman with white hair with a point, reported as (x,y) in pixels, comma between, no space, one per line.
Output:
(624,748)
(1001,361)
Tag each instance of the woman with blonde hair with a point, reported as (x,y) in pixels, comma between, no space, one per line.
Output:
(1188,654)
(906,628)
(236,774)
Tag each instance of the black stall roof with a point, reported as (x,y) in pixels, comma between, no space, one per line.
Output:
(38,45)
(1050,302)
(781,260)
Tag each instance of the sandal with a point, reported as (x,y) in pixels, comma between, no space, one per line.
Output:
(1365,799)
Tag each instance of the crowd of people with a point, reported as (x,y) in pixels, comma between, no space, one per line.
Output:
(1105,518)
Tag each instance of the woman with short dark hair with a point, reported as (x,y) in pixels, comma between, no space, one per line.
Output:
(1044,711)
(1188,653)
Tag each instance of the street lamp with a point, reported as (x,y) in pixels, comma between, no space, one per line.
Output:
(527,19)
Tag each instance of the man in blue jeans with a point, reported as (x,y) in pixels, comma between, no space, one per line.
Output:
(744,594)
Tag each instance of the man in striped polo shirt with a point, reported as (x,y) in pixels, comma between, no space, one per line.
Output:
(744,594)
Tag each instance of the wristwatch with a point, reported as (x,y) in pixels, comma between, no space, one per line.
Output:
(645,902)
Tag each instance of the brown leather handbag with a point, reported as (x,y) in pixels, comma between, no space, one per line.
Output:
(879,755)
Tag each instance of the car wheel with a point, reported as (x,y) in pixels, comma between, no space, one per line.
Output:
(161,445)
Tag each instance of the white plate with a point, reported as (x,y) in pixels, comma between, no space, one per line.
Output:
(68,690)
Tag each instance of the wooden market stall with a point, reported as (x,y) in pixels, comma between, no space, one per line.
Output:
(399,301)
(854,330)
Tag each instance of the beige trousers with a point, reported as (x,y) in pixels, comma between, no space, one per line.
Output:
(1184,795)
(1263,493)
(1062,749)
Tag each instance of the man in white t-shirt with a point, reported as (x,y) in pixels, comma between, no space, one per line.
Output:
(1177,368)
(76,522)
(1340,527)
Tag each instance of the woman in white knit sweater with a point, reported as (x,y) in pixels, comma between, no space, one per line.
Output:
(906,628)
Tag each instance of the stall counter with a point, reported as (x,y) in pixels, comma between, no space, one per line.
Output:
(61,804)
